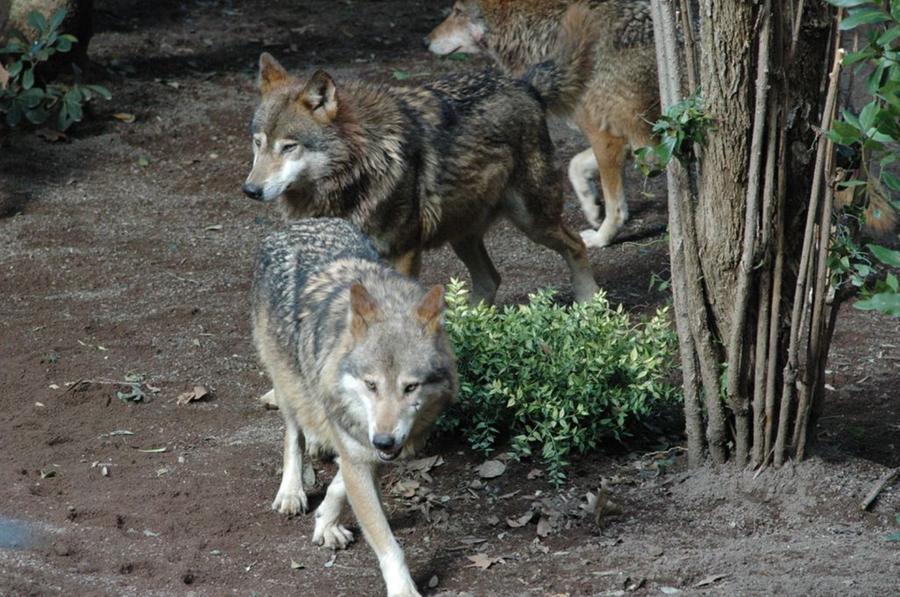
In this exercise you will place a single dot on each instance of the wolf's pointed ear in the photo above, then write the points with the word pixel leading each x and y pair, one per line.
pixel 320 97
pixel 431 309
pixel 363 310
pixel 271 74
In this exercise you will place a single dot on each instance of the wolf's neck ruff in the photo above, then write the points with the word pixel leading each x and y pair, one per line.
pixel 368 167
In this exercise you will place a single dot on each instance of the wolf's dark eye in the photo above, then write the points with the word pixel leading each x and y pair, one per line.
pixel 257 142
pixel 410 388
pixel 370 385
pixel 288 147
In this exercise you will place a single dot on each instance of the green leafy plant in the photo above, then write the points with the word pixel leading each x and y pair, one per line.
pixel 874 134
pixel 679 129
pixel 553 379
pixel 24 97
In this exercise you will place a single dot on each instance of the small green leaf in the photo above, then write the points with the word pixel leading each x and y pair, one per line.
pixel 462 56
pixel 848 3
pixel 15 68
pixel 401 75
pixel 892 283
pixel 101 91
pixel 57 19
pixel 37 115
pixel 883 302
pixel 886 38
pixel 891 180
pixel 889 257
pixel 867 116
pixel 32 97
pixel 895 536
pixel 844 133
pixel 37 20
pixel 864 16
pixel 28 79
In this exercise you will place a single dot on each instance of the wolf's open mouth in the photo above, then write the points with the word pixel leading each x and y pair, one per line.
pixel 389 456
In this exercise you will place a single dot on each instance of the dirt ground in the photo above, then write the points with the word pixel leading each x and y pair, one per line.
pixel 128 254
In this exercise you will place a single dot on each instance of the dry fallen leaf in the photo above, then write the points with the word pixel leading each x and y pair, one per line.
pixel 521 520
pixel 482 561
pixel 407 488
pixel 633 584
pixel 4 77
pixel 535 473
pixel 214 228
pixel 126 117
pixel 198 393
pixel 492 520
pixel 709 580
pixel 296 565
pixel 50 135
pixel 544 527
pixel 490 469
pixel 423 465
pixel 433 582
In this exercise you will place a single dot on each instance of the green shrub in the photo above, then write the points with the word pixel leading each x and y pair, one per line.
pixel 23 96
pixel 873 134
pixel 553 379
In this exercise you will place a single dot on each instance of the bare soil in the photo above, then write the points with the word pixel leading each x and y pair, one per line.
pixel 126 251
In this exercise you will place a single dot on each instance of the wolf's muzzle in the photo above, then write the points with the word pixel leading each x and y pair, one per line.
pixel 253 191
pixel 386 445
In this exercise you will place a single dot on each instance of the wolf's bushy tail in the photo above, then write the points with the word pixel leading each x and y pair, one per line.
pixel 561 80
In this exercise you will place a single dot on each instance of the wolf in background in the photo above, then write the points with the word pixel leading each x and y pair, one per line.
pixel 621 96
pixel 361 367
pixel 419 167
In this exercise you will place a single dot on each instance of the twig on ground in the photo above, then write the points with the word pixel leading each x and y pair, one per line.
pixel 885 480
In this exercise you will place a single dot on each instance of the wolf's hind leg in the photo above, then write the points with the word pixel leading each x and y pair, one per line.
pixel 485 278
pixel 570 246
pixel 583 170
pixel 610 152
pixel 329 532
pixel 291 499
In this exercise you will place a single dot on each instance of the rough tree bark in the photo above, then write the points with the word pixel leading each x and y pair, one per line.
pixel 736 221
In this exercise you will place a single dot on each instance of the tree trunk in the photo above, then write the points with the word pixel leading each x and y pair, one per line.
pixel 733 213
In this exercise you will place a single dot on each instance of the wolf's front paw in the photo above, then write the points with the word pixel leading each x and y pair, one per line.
pixel 290 502
pixel 409 590
pixel 400 583
pixel 332 535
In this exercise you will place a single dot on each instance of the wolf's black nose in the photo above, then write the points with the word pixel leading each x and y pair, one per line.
pixel 253 191
pixel 383 441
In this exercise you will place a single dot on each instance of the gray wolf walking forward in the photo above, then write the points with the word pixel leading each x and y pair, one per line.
pixel 621 93
pixel 419 167
pixel 361 367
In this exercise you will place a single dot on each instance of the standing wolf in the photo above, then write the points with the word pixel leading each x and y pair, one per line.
pixel 621 96
pixel 361 367
pixel 416 168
